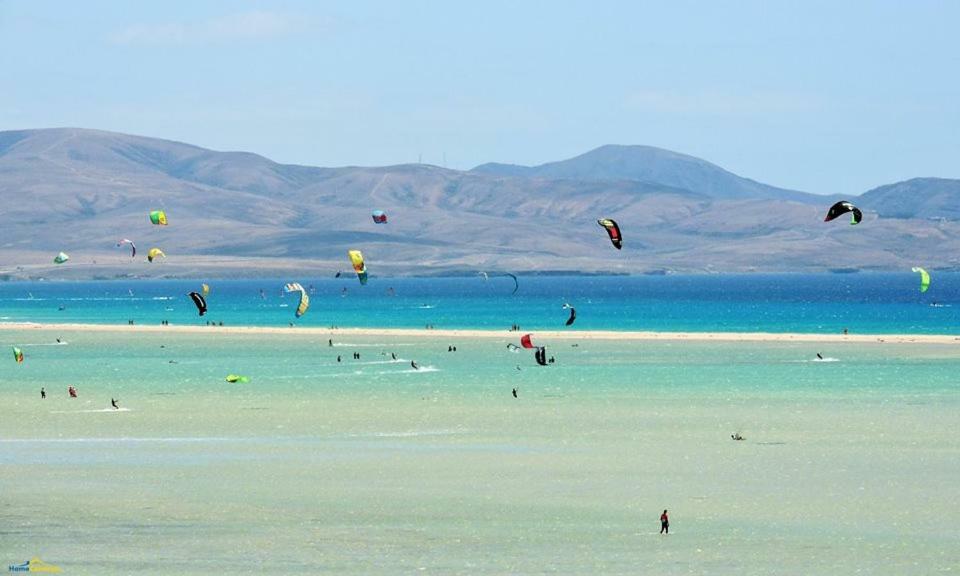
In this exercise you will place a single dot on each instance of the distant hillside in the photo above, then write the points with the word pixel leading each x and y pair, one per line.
pixel 649 164
pixel 917 198
pixel 239 214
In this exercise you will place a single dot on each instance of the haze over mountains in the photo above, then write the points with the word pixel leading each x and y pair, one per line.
pixel 240 214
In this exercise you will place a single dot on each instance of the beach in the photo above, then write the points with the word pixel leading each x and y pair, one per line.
pixel 499 334
pixel 370 466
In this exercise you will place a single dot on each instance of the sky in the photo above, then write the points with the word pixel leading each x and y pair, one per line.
pixel 825 97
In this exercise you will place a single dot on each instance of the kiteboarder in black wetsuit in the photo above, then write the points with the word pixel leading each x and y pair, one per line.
pixel 514 392
pixel 819 357
pixel 414 365
pixel 113 403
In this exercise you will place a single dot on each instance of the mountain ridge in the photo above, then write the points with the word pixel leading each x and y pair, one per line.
pixel 80 190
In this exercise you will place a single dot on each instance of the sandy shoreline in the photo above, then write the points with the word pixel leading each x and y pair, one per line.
pixel 505 334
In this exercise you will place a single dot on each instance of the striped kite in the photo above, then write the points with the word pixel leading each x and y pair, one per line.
pixel 356 257
pixel 304 299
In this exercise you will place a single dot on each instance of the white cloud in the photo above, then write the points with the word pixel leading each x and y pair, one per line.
pixel 252 25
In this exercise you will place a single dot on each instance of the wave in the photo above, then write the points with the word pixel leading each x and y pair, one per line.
pixel 406 434
pixel 421 370
pixel 374 345
pixel 99 411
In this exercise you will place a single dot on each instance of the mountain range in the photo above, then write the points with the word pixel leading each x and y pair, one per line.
pixel 237 214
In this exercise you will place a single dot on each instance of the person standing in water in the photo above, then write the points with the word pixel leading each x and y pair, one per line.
pixel 43 393
pixel 664 523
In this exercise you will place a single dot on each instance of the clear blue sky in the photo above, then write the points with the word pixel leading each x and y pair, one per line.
pixel 829 97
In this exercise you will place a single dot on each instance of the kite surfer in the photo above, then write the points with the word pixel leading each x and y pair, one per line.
pixel 514 392
pixel 736 436
pixel 338 359
pixel 113 403
pixel 414 365
pixel 819 357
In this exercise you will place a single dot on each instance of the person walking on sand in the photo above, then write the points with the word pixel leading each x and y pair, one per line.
pixel 664 523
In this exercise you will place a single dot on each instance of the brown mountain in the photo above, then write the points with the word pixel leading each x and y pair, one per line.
pixel 239 214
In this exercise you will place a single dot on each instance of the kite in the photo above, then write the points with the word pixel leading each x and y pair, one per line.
pixel 924 278
pixel 158 217
pixel 357 259
pixel 154 253
pixel 133 247
pixel 60 258
pixel 613 230
pixel 526 342
pixel 379 217
pixel 233 378
pixel 18 355
pixel 304 299
pixel 516 282
pixel 541 355
pixel 842 207
pixel 573 314
pixel 200 302
pixel 205 289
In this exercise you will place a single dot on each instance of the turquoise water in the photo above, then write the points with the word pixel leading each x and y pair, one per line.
pixel 863 303
pixel 367 466
pixel 371 467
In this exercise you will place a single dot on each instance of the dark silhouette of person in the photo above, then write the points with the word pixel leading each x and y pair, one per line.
pixel 43 393
pixel 114 404
pixel 664 523
pixel 414 365
pixel 819 357
pixel 338 358
pixel 514 392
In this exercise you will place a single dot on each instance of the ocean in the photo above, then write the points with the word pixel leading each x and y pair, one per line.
pixel 866 303
pixel 369 466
